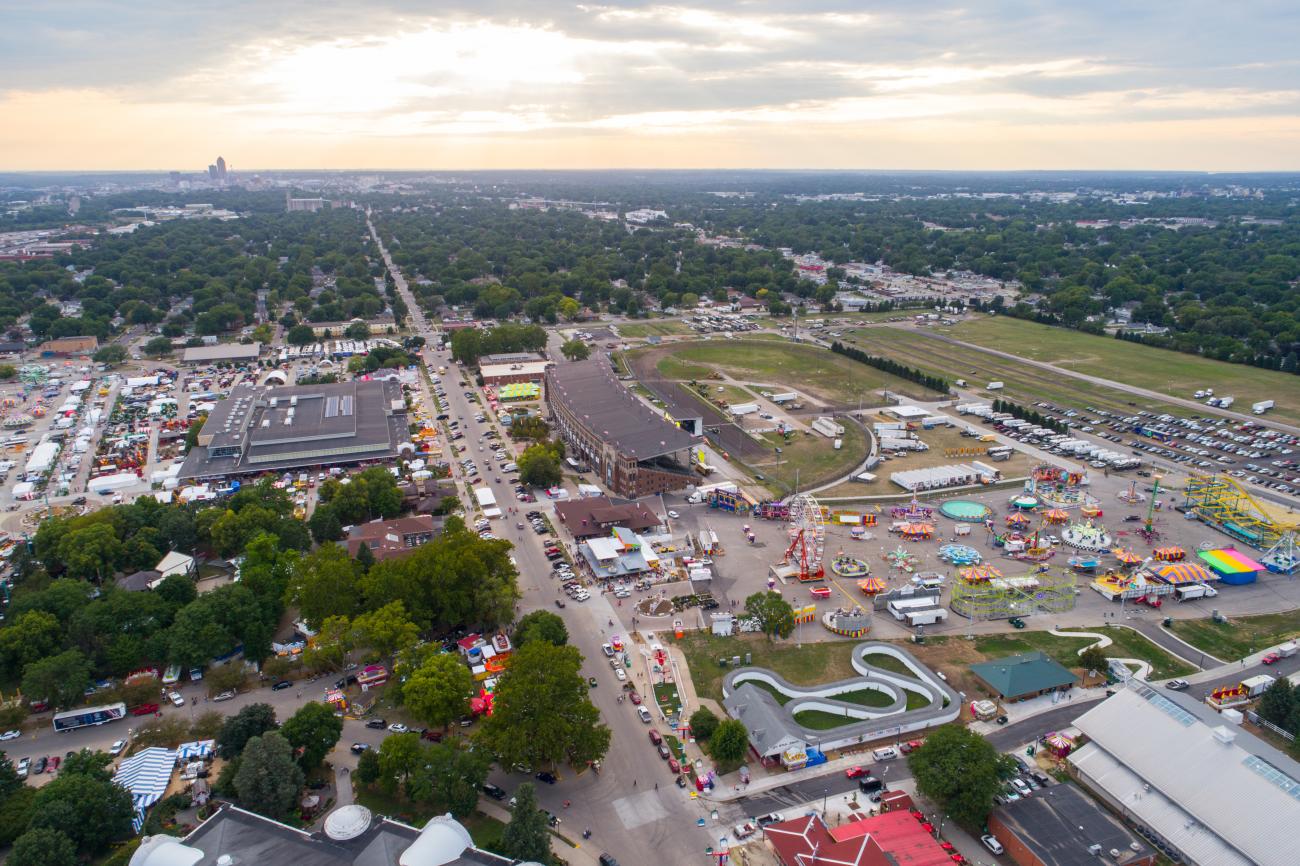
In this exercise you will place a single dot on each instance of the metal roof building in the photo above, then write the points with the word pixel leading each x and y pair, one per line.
pixel 222 352
pixel 1024 675
pixel 1213 792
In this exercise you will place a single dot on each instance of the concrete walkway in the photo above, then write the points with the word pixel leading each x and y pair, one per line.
pixel 580 852
pixel 1102 641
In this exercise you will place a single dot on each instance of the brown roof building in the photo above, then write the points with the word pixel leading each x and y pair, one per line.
pixel 595 515
pixel 63 346
pixel 389 539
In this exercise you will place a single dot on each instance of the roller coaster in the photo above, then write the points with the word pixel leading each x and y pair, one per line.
pixel 1224 504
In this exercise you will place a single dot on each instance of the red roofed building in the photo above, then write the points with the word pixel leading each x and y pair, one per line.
pixel 807 842
pixel 900 836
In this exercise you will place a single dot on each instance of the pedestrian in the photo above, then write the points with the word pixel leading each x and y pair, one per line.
pixel 634 783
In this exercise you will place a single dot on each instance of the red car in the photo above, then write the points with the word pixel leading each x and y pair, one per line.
pixel 634 698
pixel 855 772
pixel 673 766
pixel 144 710
pixel 654 736
pixel 1270 658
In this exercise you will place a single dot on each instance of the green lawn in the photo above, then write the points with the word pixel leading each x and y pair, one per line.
pixel 1127 644
pixel 887 663
pixel 812 456
pixel 1130 644
pixel 1240 636
pixel 1168 372
pixel 866 698
pixel 810 369
pixel 668 327
pixel 485 831
pixel 818 720
pixel 416 814
pixel 813 663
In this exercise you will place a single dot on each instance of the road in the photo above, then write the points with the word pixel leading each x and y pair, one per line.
pixel 621 805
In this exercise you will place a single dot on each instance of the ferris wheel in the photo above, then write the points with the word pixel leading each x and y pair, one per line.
pixel 807 537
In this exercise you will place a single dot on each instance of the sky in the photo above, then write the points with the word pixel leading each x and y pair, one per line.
pixel 469 84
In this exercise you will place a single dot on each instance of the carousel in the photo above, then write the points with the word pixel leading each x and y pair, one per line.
pixel 872 585
pixel 1056 516
pixel 851 622
pixel 902 559
pixel 1086 535
pixel 916 531
pixel 913 512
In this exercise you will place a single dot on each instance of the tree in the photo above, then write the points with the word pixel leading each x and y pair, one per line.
pixel 450 776
pixel 111 355
pixel 87 763
pixel 1278 702
pixel 729 741
pixel 225 677
pixel 1093 659
pixel 313 731
pixel 774 614
pixel 526 838
pixel 251 721
pixel 961 772
pixel 703 723
pixel 158 347
pixel 9 781
pixel 399 756
pixel 357 331
pixel 43 847
pixel 541 713
pixel 16 812
pixel 438 692
pixel 539 466
pixel 387 629
pixel 300 335
pixel 268 780
pixel 92 811
pixel 575 350
pixel 367 772
pixel 30 637
pixel 323 584
pixel 60 679
pixel 541 625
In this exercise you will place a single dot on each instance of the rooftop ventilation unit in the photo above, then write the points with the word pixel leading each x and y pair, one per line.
pixel 1224 735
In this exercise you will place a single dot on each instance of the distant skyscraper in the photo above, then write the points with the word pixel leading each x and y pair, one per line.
pixel 221 168
pixel 212 172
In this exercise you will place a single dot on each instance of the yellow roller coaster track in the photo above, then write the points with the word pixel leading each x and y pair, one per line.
pixel 1220 501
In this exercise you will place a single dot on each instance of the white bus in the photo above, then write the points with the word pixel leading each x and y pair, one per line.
pixel 87 716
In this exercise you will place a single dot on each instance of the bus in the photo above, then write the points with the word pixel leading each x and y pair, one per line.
pixel 87 716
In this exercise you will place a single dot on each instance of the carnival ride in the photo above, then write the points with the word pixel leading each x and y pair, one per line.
pixel 807 537
pixel 1283 557
pixel 902 559
pixel 1025 502
pixel 983 593
pixel 33 374
pixel 1056 487
pixel 1087 536
pixel 960 554
pixel 1131 495
pixel 1056 516
pixel 964 510
pixel 1169 554
pixel 847 566
pixel 913 512
pixel 1221 502
pixel 872 585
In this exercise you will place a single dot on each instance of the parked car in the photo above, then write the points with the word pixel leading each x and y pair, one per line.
pixel 644 715
pixel 1271 658
pixel 991 842
pixel 1177 685
pixel 398 728
pixel 358 748
pixel 225 696
pixel 855 772
pixel 176 699
pixel 24 767
pixel 655 738
pixel 376 724
pixel 493 791
pixel 770 818
pixel 664 754
pixel 281 686
pixel 39 766
pixel 544 776
pixel 10 735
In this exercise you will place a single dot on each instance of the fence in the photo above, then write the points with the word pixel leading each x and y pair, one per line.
pixel 1254 719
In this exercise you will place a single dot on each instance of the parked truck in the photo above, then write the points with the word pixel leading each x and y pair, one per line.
pixel 1261 407
pixel 1196 590
pixel 1257 685
pixel 1287 649
pixel 995 386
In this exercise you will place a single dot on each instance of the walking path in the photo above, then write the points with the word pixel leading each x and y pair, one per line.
pixel 1102 641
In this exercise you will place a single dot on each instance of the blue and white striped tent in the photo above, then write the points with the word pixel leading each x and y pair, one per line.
pixel 146 775
pixel 194 751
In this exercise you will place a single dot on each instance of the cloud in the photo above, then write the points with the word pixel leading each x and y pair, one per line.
pixel 688 75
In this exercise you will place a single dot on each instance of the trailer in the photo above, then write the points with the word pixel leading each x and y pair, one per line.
pixel 1261 407
pixel 787 397
pixel 994 386
pixel 1257 685
pixel 1195 590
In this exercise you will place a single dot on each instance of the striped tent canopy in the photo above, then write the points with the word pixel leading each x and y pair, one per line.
pixel 871 585
pixel 1176 574
pixel 1170 554
pixel 146 775
pixel 1018 519
pixel 1126 556
pixel 195 750
pixel 1056 515
pixel 913 529
pixel 978 573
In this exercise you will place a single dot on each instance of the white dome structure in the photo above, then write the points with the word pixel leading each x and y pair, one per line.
pixel 441 841
pixel 347 822
pixel 165 851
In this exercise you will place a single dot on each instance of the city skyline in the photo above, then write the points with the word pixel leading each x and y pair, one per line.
pixel 111 86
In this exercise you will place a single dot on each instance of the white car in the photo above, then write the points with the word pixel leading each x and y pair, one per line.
pixel 11 735
pixel 224 696
pixel 176 699
pixel 673 514
pixel 644 714
pixel 620 675
pixel 398 728
pixel 116 748
pixel 991 842
pixel 607 650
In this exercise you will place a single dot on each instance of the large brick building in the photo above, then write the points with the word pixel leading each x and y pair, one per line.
pixel 632 448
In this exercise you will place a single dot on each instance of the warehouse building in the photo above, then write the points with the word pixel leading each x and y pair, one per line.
pixel 634 450
pixel 271 429
pixel 1062 826
pixel 512 369
pixel 1024 676
pixel 1191 780
pixel 235 353
pixel 62 347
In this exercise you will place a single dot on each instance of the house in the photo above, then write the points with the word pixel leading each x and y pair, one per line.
pixel 1060 825
pixel 427 495
pixel 175 563
pixel 140 581
pixel 388 539
pixel 593 516
pixel 807 841
pixel 1024 676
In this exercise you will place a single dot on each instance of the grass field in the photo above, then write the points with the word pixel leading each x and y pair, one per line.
pixel 809 369
pixel 1174 373
pixel 811 664
pixel 812 458
pixel 1240 636
pixel 1025 385
pixel 731 394
pixel 666 328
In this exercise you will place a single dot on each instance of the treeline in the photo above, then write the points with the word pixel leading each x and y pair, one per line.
pixel 1288 363
pixel 902 371
pixel 1033 416
pixel 470 344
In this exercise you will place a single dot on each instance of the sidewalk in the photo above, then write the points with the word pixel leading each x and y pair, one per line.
pixel 726 792
pixel 581 853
